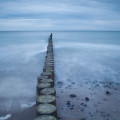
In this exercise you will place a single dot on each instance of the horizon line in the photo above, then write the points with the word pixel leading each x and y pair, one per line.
pixel 59 30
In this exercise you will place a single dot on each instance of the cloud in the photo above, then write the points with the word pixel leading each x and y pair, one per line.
pixel 25 24
pixel 48 24
pixel 51 14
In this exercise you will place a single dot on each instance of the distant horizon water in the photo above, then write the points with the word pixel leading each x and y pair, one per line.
pixel 59 30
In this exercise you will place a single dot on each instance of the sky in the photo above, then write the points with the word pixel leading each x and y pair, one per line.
pixel 59 15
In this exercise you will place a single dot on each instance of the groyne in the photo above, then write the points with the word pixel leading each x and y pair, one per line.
pixel 45 91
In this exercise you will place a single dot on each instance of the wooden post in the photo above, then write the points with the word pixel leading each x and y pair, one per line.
pixel 46 97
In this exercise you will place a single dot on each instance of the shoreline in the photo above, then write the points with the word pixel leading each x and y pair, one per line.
pixel 99 106
pixel 27 114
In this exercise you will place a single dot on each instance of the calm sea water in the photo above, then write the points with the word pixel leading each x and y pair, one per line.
pixel 79 57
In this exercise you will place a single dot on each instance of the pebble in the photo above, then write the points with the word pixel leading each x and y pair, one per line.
pixel 83 119
pixel 83 104
pixel 68 104
pixel 72 95
pixel 86 98
pixel 73 82
pixel 108 92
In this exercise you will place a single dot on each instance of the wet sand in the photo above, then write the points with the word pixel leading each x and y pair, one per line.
pixel 96 101
pixel 27 114
pixel 17 109
pixel 100 101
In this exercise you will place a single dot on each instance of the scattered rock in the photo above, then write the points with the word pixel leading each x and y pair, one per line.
pixel 83 104
pixel 68 104
pixel 72 95
pixel 83 119
pixel 73 82
pixel 59 118
pixel 71 108
pixel 108 92
pixel 87 98
pixel 60 84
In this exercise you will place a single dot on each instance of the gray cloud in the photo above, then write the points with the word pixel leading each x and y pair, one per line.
pixel 79 14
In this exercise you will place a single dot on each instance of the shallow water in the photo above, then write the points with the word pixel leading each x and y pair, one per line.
pixel 87 56
pixel 80 57
pixel 21 61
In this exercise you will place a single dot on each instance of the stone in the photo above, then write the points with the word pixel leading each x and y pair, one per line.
pixel 86 98
pixel 72 95
pixel 108 92
pixel 68 104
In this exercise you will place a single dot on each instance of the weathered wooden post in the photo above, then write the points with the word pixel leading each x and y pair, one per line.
pixel 46 93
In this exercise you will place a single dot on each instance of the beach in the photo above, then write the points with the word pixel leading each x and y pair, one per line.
pixel 90 103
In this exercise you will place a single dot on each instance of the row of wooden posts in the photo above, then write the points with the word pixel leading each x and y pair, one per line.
pixel 46 93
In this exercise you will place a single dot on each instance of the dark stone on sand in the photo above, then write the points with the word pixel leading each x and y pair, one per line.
pixel 86 98
pixel 71 108
pixel 73 82
pixel 108 92
pixel 82 109
pixel 59 83
pixel 72 95
pixel 83 104
pixel 58 118
pixel 68 104
pixel 83 119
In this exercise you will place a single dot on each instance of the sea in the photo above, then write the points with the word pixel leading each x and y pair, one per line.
pixel 80 56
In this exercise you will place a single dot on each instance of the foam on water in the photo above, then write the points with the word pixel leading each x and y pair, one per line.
pixel 83 60
pixel 21 61
pixel 5 117
pixel 27 105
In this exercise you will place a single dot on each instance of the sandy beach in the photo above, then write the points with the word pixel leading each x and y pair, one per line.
pixel 99 101
pixel 28 114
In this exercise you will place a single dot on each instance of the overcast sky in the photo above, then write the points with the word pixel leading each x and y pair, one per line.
pixel 59 15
